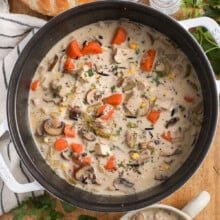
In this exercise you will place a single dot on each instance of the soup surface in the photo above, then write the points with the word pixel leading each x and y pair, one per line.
pixel 115 107
pixel 156 214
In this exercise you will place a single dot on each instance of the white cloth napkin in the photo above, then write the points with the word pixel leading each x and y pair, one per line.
pixel 15 31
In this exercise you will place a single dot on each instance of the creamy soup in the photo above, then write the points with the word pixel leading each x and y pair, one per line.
pixel 156 214
pixel 115 107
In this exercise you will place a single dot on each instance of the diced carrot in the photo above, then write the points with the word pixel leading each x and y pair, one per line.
pixel 77 148
pixel 105 112
pixel 148 60
pixel 61 144
pixel 69 65
pixel 86 160
pixel 114 99
pixel 120 36
pixel 111 164
pixel 93 47
pixel 69 131
pixel 73 50
pixel 167 136
pixel 189 99
pixel 84 1
pixel 35 84
pixel 153 116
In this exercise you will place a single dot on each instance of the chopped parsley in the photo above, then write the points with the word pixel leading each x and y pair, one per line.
pixel 137 51
pixel 156 80
pixel 113 88
pixel 160 74
pixel 90 72
pixel 121 165
pixel 131 125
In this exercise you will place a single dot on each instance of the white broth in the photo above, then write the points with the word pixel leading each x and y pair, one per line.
pixel 156 214
pixel 115 107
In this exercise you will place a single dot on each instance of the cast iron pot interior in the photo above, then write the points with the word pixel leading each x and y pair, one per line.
pixel 37 48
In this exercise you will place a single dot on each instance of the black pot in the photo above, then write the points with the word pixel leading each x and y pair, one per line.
pixel 37 48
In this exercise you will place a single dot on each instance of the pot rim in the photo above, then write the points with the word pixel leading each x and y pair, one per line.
pixel 16 137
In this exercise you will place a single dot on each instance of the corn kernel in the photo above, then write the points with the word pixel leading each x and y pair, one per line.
pixel 131 71
pixel 171 76
pixel 165 167
pixel 152 99
pixel 143 104
pixel 135 156
pixel 46 139
pixel 61 109
pixel 64 166
pixel 133 46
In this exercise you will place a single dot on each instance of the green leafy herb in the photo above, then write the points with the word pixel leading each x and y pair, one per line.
pixel 67 207
pixel 113 88
pixel 42 207
pixel 156 80
pixel 160 74
pixel 86 217
pixel 137 51
pixel 118 132
pixel 90 72
pixel 211 8
pixel 131 125
pixel 121 165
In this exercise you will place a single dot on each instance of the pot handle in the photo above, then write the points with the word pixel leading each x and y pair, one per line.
pixel 211 25
pixel 194 207
pixel 12 183
pixel 7 176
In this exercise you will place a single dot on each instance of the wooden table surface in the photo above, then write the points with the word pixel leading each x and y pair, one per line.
pixel 206 178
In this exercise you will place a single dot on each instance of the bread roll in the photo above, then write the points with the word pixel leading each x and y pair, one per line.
pixel 53 7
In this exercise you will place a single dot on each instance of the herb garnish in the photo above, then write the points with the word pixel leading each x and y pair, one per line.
pixel 42 207
pixel 137 51
pixel 90 72
pixel 197 8
pixel 156 80
pixel 121 165
pixel 113 88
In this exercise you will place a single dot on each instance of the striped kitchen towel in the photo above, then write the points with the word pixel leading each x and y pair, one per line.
pixel 15 31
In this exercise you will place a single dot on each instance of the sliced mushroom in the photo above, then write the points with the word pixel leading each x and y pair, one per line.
pixel 53 63
pixel 171 122
pixel 138 216
pixel 85 173
pixel 129 84
pixel 74 113
pixel 160 177
pixel 40 131
pixel 87 135
pixel 123 185
pixel 53 127
pixel 166 152
pixel 140 85
pixel 57 100
pixel 131 138
pixel 99 70
pixel 92 96
pixel 66 155
pixel 144 156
